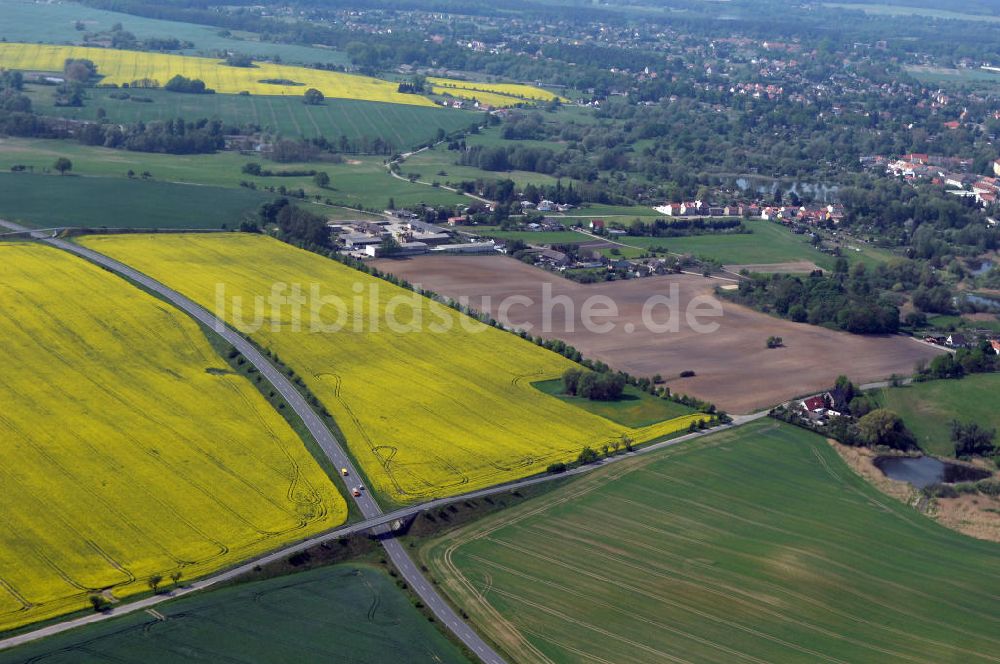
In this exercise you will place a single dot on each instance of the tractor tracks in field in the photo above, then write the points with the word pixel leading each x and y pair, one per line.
pixel 330 445
pixel 374 521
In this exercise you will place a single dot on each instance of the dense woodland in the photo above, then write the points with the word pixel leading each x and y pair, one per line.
pixel 849 299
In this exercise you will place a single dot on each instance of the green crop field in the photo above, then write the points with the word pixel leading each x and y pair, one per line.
pixel 45 201
pixel 361 182
pixel 768 243
pixel 348 612
pixel 54 22
pixel 928 408
pixel 952 323
pixel 635 409
pixel 757 544
pixel 399 125
pixel 368 184
pixel 966 78
pixel 431 163
pixel 491 137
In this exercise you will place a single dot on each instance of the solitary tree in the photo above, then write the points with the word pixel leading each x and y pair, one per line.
pixel 176 578
pixel 63 165
pixel 313 97
pixel 322 179
pixel 99 602
pixel 154 582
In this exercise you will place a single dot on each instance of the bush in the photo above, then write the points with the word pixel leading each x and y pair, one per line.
pixel 972 439
pixel 556 468
pixel 942 491
pixel 587 455
pixel 884 427
pixel 990 487
pixel 99 602
pixel 687 373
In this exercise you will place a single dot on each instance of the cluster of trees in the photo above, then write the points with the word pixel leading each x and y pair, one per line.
pixel 971 439
pixel 313 97
pixel 295 224
pixel 76 74
pixel 79 70
pixel 12 97
pixel 505 192
pixel 415 86
pixel 596 386
pixel 512 158
pixel 194 86
pixel 931 224
pixel 255 169
pixel 125 40
pixel 167 136
pixel 884 427
pixel 239 60
pixel 849 301
pixel 980 359
pixel 361 145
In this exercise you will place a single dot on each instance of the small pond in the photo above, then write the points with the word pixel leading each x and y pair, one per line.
pixel 924 471
pixel 982 302
pixel 766 186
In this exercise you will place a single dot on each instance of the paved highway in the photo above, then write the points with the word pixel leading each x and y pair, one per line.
pixel 366 525
pixel 374 519
pixel 330 445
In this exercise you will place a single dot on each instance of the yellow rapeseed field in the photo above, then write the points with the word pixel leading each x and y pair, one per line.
pixel 124 67
pixel 426 413
pixel 495 94
pixel 125 450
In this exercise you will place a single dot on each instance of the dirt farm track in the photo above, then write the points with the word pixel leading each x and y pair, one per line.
pixel 734 368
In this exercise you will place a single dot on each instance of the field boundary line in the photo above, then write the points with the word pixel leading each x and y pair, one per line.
pixel 375 519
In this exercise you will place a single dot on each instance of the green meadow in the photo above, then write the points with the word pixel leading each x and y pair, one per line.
pixel 343 613
pixel 757 544
pixel 929 408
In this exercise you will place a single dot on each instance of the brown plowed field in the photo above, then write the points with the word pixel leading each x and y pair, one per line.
pixel 734 368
